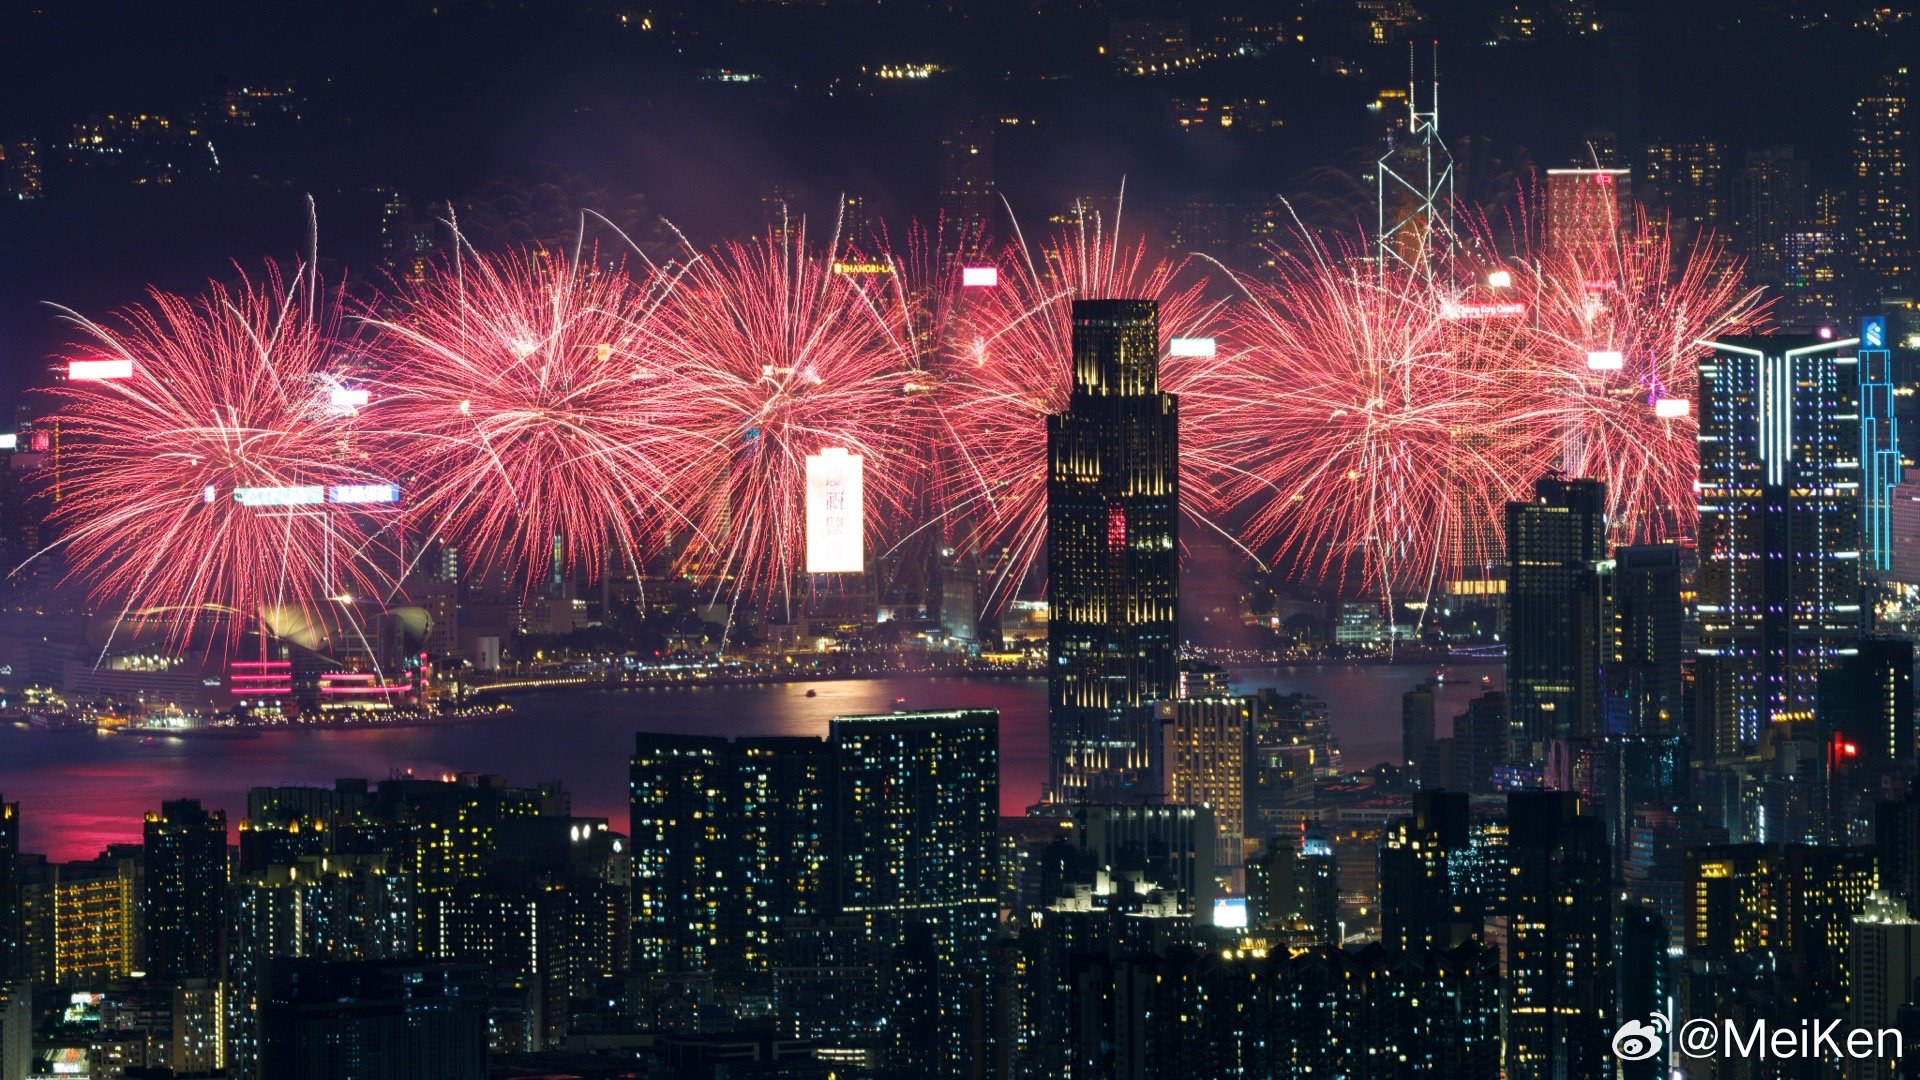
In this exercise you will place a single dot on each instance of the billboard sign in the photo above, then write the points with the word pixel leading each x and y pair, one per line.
pixel 835 512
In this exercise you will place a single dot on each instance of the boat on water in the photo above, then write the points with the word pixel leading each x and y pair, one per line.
pixel 811 692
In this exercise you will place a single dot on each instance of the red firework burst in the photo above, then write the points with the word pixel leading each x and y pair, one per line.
pixel 199 469
pixel 776 357
pixel 1363 424
pixel 519 391
pixel 1010 367
pixel 1615 358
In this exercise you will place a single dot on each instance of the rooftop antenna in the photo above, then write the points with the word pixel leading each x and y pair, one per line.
pixel 1414 186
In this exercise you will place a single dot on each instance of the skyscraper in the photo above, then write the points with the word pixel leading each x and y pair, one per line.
pixel 1645 621
pixel 1416 732
pixel 13 917
pixel 1560 939
pixel 1555 624
pixel 1769 201
pixel 1585 209
pixel 967 199
pixel 185 899
pixel 917 809
pixel 1779 532
pixel 1113 504
pixel 1880 463
pixel 1883 962
pixel 1884 182
pixel 678 794
pixel 1206 743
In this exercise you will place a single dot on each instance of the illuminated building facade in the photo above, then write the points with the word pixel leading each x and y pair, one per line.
pixel 96 920
pixel 1779 532
pixel 1789 907
pixel 1555 613
pixel 1689 177
pixel 1884 178
pixel 677 791
pixel 968 202
pixel 1113 505
pixel 184 903
pixel 1205 746
pixel 1585 209
pixel 1880 467
pixel 1420 901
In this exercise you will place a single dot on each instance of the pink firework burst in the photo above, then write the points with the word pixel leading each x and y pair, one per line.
pixel 1362 425
pixel 776 357
pixel 199 467
pixel 1614 356
pixel 533 420
pixel 1010 367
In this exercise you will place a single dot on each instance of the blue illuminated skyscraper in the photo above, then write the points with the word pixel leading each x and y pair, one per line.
pixel 1779 532
pixel 1880 470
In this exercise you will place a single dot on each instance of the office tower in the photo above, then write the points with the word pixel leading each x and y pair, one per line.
pixel 1170 846
pixel 1865 703
pixel 1884 962
pixel 95 919
pixel 916 810
pixel 1645 619
pixel 1559 939
pixel 1903 526
pixel 1884 183
pixel 1420 906
pixel 968 202
pixel 1779 533
pixel 1555 616
pixel 1113 504
pixel 1880 466
pixel 1689 177
pixel 13 916
pixel 1769 201
pixel 1585 210
pixel 1206 745
pixel 184 904
pixel 1413 193
pixel 374 1020
pixel 1416 732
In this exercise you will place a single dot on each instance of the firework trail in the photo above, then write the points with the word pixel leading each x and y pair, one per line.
pixel 1011 366
pixel 1614 357
pixel 197 482
pixel 775 356
pixel 536 426
pixel 1363 426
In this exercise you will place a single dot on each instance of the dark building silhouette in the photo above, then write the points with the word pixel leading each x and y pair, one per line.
pixel 1865 703
pixel 1113 504
pixel 1560 1014
pixel 1645 619
pixel 1420 894
pixel 1416 732
pixel 184 901
pixel 14 965
pixel 374 1020
pixel 1555 617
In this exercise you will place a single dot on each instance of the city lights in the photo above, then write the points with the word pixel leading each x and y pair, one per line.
pixel 98 370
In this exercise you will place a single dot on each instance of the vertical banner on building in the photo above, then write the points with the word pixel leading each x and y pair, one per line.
pixel 835 513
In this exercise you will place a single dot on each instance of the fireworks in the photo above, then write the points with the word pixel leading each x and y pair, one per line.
pixel 205 483
pixel 521 393
pixel 1361 425
pixel 1614 357
pixel 1010 367
pixel 774 356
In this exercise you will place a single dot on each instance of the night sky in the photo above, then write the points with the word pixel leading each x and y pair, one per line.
pixel 442 101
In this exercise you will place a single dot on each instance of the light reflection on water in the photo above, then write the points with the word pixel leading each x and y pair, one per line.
pixel 79 791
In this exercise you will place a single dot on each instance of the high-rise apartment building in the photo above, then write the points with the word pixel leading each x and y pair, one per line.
pixel 184 902
pixel 1113 505
pixel 1645 620
pixel 1586 208
pixel 1206 743
pixel 1779 532
pixel 1559 939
